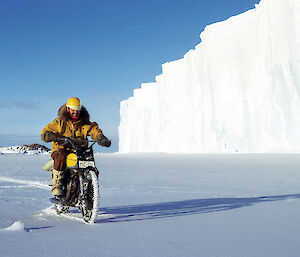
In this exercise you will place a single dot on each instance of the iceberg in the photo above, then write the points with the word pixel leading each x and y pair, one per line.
pixel 238 90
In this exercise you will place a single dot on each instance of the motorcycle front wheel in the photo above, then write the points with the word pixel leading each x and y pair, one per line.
pixel 90 203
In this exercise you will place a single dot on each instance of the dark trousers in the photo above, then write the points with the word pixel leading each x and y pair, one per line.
pixel 59 156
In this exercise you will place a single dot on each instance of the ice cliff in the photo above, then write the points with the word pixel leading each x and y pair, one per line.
pixel 238 90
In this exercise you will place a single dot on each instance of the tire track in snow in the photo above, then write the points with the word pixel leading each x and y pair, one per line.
pixel 24 182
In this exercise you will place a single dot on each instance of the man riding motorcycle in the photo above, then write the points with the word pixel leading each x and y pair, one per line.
pixel 73 121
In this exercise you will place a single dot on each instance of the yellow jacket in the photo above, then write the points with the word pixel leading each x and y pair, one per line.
pixel 64 126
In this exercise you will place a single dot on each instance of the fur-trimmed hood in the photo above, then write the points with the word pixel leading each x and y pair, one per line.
pixel 84 117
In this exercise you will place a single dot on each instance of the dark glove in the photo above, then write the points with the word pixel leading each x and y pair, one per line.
pixel 104 142
pixel 49 136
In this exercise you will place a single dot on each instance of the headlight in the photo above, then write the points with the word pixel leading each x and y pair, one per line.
pixel 71 160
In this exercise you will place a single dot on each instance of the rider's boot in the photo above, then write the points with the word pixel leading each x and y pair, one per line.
pixel 57 189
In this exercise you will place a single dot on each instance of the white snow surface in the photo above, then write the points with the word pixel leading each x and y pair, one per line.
pixel 168 205
pixel 238 90
pixel 17 226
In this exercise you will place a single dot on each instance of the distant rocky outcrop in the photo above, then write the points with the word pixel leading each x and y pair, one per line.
pixel 33 147
pixel 26 149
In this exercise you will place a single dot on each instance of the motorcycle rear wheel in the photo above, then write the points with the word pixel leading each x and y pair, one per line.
pixel 61 208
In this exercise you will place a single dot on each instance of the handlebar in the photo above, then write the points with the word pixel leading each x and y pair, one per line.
pixel 78 140
pixel 71 140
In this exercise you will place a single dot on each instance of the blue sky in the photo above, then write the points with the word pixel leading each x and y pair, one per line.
pixel 97 50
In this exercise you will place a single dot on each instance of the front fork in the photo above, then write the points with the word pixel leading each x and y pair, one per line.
pixel 83 184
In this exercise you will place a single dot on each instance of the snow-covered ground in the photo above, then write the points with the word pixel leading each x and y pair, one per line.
pixel 230 205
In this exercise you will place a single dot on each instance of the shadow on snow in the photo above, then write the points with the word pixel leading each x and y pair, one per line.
pixel 182 208
pixel 37 228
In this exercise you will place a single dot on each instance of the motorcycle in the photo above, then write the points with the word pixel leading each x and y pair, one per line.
pixel 80 183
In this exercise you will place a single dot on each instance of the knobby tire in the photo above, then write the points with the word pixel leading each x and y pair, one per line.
pixel 90 218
